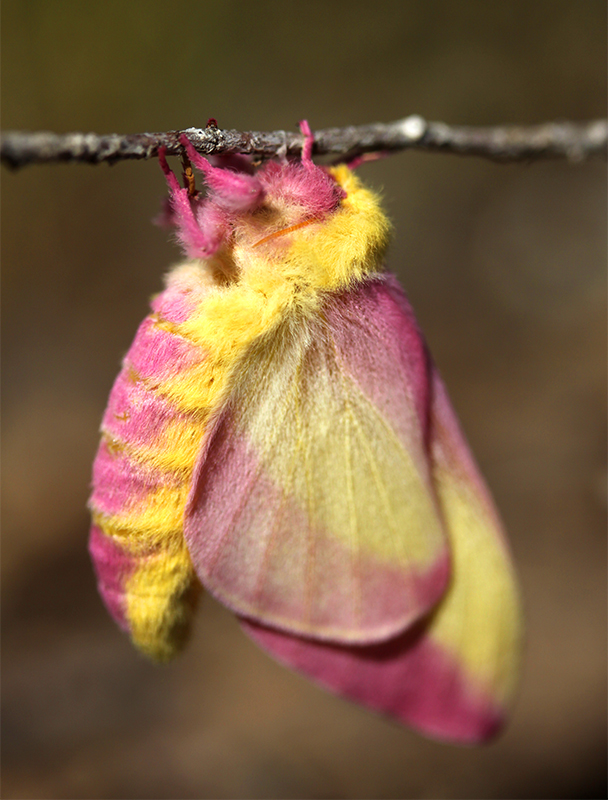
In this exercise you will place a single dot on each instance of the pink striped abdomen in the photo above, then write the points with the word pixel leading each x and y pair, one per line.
pixel 141 480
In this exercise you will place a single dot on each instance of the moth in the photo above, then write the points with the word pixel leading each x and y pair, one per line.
pixel 280 436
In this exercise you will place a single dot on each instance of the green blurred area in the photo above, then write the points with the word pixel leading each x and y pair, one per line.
pixel 505 266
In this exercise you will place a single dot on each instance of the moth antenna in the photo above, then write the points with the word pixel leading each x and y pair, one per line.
pixel 169 176
pixel 194 240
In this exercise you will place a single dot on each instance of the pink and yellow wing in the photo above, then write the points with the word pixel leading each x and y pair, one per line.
pixel 313 508
pixel 452 675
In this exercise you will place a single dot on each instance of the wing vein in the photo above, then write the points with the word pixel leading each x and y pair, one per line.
pixel 354 528
pixel 311 553
pixel 398 544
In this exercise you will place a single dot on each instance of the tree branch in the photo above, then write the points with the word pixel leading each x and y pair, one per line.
pixel 570 140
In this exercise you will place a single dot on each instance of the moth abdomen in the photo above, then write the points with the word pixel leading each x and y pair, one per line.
pixel 141 480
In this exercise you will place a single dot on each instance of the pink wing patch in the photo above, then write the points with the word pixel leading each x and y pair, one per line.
pixel 408 677
pixel 313 508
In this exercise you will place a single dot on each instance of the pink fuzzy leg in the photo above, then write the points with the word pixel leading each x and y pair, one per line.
pixel 309 140
pixel 234 191
pixel 198 241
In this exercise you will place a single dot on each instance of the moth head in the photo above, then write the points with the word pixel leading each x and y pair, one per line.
pixel 245 206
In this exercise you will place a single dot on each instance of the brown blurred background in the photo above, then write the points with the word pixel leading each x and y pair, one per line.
pixel 506 268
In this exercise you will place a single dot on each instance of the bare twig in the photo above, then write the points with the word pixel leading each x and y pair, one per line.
pixel 574 141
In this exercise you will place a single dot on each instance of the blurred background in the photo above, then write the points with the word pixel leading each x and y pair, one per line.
pixel 505 266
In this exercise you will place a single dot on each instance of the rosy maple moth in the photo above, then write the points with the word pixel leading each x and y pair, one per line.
pixel 280 435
